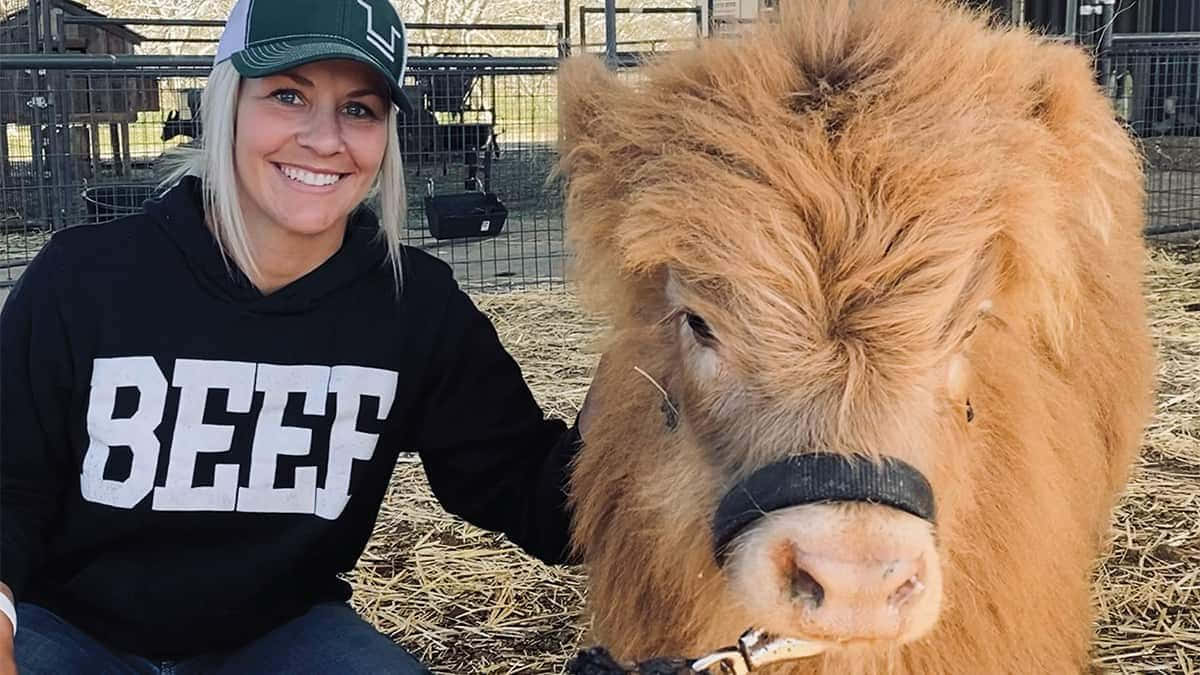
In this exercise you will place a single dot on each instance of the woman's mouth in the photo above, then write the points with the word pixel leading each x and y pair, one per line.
pixel 309 178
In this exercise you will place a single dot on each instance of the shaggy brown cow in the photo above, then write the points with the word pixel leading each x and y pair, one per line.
pixel 885 228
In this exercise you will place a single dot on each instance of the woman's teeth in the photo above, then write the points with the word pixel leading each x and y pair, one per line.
pixel 310 178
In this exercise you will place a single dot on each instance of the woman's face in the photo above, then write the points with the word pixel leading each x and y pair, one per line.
pixel 310 142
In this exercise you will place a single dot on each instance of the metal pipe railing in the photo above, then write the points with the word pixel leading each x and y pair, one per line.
pixel 642 10
pixel 1118 38
pixel 220 23
pixel 610 26
pixel 133 61
pixel 123 21
pixel 610 29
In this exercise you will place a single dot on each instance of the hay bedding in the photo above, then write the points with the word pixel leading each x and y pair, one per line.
pixel 463 600
pixel 1149 587
pixel 466 601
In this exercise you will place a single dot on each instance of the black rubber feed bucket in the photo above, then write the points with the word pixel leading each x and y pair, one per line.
pixel 464 215
pixel 109 202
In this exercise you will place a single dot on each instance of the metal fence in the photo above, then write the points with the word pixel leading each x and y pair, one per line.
pixel 639 48
pixel 1154 81
pixel 1078 19
pixel 82 136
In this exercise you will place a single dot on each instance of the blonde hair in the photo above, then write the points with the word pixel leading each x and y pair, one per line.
pixel 213 164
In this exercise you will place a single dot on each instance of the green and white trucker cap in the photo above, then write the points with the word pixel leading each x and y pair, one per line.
pixel 264 37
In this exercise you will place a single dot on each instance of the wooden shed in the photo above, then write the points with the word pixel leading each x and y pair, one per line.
pixel 94 97
pixel 66 108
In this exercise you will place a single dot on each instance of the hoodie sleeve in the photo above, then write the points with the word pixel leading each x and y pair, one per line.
pixel 35 366
pixel 490 454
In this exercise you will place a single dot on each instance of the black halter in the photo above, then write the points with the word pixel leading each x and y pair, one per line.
pixel 819 477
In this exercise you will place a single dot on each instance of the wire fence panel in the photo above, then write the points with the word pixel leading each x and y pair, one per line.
pixel 481 131
pixel 1155 85
pixel 1081 20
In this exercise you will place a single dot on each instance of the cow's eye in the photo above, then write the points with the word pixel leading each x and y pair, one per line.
pixel 699 328
pixel 970 411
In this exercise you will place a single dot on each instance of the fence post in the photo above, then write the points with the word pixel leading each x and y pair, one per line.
pixel 35 102
pixel 567 20
pixel 1106 34
pixel 583 29
pixel 1071 19
pixel 610 32
pixel 563 40
pixel 46 85
pixel 64 165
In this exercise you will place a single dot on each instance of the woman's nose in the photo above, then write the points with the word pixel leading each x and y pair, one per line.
pixel 321 132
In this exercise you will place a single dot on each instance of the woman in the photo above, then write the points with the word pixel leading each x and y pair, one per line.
pixel 202 404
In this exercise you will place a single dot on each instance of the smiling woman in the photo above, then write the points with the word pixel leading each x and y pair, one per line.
pixel 312 141
pixel 203 402
pixel 319 119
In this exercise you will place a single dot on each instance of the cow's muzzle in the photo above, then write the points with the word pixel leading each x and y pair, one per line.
pixel 819 477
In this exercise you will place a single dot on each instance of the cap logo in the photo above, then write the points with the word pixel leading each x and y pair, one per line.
pixel 388 46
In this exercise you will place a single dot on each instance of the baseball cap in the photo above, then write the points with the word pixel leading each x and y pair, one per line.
pixel 264 37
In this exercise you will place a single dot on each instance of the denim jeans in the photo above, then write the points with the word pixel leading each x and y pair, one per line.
pixel 330 638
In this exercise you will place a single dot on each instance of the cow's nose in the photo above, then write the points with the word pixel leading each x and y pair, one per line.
pixel 853 596
pixel 855 573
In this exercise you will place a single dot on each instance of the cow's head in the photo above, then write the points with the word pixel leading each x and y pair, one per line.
pixel 814 237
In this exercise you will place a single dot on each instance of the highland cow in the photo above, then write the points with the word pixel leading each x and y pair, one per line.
pixel 892 230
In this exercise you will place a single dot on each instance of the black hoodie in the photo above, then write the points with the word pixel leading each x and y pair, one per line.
pixel 186 463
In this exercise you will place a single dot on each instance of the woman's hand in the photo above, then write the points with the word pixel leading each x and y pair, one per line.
pixel 8 660
pixel 587 411
pixel 585 415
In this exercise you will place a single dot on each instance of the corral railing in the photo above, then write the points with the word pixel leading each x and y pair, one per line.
pixel 82 136
pixel 642 47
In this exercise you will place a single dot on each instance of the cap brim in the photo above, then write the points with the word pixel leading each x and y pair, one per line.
pixel 270 58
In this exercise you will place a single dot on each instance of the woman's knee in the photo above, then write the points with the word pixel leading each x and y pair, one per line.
pixel 45 643
pixel 330 637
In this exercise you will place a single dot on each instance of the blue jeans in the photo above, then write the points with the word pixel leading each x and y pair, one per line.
pixel 330 638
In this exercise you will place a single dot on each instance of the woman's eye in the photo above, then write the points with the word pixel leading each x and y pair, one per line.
pixel 360 111
pixel 700 327
pixel 287 96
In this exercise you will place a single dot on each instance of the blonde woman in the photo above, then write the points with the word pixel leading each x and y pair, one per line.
pixel 203 403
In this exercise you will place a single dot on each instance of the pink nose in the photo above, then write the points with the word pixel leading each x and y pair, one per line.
pixel 852 598
pixel 852 574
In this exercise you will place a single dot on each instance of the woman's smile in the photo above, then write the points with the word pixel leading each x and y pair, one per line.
pixel 309 179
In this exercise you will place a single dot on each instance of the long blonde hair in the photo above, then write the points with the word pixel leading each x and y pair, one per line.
pixel 213 163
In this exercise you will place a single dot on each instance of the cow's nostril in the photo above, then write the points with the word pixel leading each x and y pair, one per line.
pixel 907 590
pixel 806 589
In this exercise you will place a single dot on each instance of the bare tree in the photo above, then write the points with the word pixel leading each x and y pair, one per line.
pixel 629 27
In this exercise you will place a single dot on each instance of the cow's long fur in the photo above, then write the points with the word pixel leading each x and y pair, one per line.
pixel 838 197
